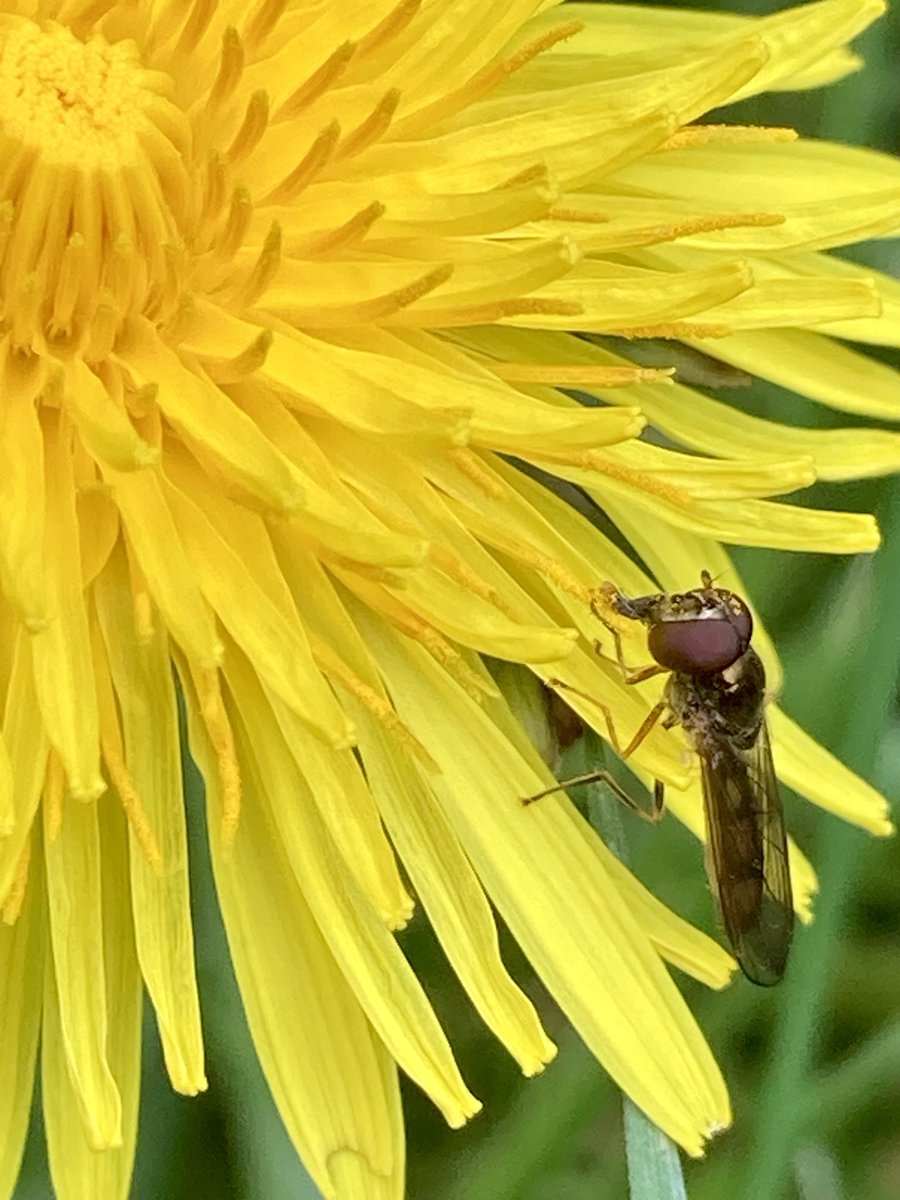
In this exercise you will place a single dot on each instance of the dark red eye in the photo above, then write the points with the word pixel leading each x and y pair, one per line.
pixel 701 644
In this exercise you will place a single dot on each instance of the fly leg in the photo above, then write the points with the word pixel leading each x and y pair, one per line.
pixel 659 788
pixel 655 814
pixel 659 800
pixel 630 674
pixel 600 776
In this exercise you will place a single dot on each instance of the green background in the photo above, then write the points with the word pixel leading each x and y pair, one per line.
pixel 813 1066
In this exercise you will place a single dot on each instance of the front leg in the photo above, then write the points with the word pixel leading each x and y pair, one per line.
pixel 643 729
pixel 630 674
pixel 653 815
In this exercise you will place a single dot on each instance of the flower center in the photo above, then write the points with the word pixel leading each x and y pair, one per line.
pixel 93 188
pixel 70 101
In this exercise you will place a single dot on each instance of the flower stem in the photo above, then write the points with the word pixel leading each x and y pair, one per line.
pixel 654 1168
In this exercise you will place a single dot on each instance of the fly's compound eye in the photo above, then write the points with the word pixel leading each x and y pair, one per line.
pixel 701 644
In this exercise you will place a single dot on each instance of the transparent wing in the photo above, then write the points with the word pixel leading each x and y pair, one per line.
pixel 748 865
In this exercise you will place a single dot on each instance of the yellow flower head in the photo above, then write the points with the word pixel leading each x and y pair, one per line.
pixel 286 301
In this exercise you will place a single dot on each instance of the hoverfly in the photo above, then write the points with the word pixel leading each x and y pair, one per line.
pixel 716 692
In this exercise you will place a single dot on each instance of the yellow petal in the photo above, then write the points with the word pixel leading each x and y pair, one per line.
pixel 881 330
pixel 334 1082
pixel 783 293
pixel 611 30
pixel 761 523
pixel 827 195
pixel 800 37
pixel 159 549
pixel 623 297
pixel 609 983
pixel 105 429
pixel 815 288
pixel 334 294
pixel 689 203
pixel 481 157
pixel 804 882
pixel 203 413
pixel 382 980
pixel 78 1169
pixel 26 741
pixel 76 990
pixel 98 524
pixel 22 487
pixel 819 367
pixel 685 477
pixel 453 898
pixel 499 416
pixel 341 387
pixel 342 795
pixel 496 129
pixel 22 951
pixel 222 540
pixel 142 677
pixel 314 589
pixel 498 617
pixel 711 427
pixel 815 366
pixel 7 785
pixel 786 301
pixel 462 594
pixel 334 516
pixel 749 522
pixel 675 940
pixel 810 770
pixel 63 668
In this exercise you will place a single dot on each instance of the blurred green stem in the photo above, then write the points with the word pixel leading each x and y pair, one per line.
pixel 654 1168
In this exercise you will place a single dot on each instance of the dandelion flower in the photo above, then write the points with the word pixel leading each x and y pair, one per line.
pixel 286 301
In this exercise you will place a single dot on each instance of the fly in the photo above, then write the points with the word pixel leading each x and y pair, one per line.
pixel 716 692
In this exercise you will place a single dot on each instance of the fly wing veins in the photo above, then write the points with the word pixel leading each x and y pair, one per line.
pixel 748 856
